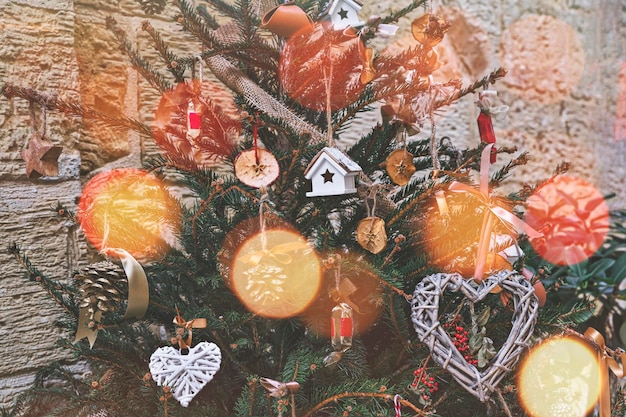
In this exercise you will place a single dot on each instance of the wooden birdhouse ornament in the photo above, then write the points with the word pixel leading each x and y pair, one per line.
pixel 342 13
pixel 331 172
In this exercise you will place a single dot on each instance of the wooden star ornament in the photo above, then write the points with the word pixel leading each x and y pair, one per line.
pixel 41 157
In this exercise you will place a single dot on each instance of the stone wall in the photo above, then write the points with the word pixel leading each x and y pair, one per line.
pixel 566 90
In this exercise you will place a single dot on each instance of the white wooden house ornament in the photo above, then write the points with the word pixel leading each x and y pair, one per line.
pixel 331 173
pixel 342 13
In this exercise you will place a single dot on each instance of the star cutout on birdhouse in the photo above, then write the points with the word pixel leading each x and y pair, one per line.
pixel 41 157
pixel 328 176
pixel 343 14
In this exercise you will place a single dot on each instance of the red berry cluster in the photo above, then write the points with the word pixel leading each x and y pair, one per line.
pixel 460 339
pixel 424 384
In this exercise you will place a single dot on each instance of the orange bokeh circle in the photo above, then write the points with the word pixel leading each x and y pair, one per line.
pixel 129 209
pixel 573 217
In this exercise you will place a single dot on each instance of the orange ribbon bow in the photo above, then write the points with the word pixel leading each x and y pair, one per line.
pixel 187 325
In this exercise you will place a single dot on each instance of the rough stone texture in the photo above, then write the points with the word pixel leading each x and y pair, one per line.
pixel 577 114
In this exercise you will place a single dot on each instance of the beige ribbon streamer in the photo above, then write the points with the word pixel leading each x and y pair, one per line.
pixel 83 330
pixel 606 361
pixel 494 212
pixel 138 291
pixel 280 389
pixel 138 297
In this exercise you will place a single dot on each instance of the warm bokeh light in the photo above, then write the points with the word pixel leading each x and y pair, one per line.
pixel 451 240
pixel 572 215
pixel 544 58
pixel 129 209
pixel 275 273
pixel 323 61
pixel 560 378
pixel 220 124
pixel 358 286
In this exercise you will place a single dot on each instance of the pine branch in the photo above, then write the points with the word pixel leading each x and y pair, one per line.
pixel 152 76
pixel 397 15
pixel 491 78
pixel 170 59
pixel 52 102
pixel 55 289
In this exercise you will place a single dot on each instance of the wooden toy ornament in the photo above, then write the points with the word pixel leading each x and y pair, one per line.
pixel 331 172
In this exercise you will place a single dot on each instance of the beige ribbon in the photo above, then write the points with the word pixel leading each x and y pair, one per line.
pixel 606 361
pixel 494 212
pixel 138 297
pixel 280 389
pixel 187 325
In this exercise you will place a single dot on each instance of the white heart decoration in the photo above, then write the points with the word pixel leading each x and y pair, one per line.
pixel 187 374
pixel 425 313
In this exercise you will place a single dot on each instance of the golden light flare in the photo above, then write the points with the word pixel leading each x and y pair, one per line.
pixel 573 217
pixel 275 273
pixel 560 377
pixel 358 286
pixel 451 240
pixel 129 209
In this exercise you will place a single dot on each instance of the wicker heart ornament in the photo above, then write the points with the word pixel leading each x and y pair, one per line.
pixel 425 313
pixel 186 375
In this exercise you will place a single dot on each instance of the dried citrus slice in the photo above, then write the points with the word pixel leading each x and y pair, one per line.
pixel 371 235
pixel 400 166
pixel 256 168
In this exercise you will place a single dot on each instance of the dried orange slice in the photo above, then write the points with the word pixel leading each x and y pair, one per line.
pixel 256 168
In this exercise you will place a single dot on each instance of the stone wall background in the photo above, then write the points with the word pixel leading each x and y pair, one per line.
pixel 566 90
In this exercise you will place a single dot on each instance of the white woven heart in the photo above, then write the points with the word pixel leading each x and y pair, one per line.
pixel 187 374
pixel 425 313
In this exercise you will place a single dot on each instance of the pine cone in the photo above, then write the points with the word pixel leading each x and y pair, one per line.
pixel 102 286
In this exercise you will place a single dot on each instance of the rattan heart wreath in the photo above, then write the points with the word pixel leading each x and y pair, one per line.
pixel 425 317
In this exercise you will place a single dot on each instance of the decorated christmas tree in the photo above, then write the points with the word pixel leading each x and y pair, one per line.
pixel 263 265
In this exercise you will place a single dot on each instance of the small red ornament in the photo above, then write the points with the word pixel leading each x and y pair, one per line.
pixel 487 135
pixel 341 326
pixel 194 122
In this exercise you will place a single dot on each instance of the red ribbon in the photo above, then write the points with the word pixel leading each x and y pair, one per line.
pixel 494 212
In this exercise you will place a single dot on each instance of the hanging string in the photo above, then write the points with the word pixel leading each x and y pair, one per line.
pixel 264 198
pixel 33 117
pixel 200 74
pixel 329 120
pixel 371 196
pixel 433 133
pixel 255 137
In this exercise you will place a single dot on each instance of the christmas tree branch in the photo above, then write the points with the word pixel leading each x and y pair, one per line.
pixel 397 15
pixel 491 78
pixel 50 286
pixel 52 102
pixel 385 397
pixel 152 76
pixel 169 58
